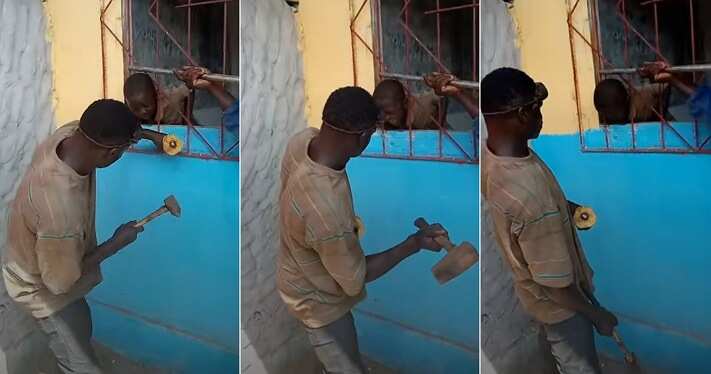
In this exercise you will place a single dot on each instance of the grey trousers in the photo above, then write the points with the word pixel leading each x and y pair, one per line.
pixel 336 346
pixel 69 332
pixel 573 346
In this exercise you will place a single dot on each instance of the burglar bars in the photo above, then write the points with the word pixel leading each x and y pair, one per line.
pixel 411 39
pixel 680 143
pixel 222 151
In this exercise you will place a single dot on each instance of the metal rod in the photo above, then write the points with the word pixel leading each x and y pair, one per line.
pixel 212 77
pixel 458 83
pixel 449 9
pixel 673 69
pixel 191 4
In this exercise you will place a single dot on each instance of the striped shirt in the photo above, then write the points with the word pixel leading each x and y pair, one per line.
pixel 535 232
pixel 51 229
pixel 320 266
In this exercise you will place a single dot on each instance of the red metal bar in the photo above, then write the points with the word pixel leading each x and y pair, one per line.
pixel 451 8
pixel 103 47
pixel 440 115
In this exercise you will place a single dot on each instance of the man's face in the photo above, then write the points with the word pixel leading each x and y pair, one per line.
pixel 392 110
pixel 531 119
pixel 144 106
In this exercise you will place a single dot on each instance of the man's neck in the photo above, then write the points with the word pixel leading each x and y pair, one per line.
pixel 68 151
pixel 325 153
pixel 508 147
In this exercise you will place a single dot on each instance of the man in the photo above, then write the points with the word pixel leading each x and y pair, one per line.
pixel 321 268
pixel 194 77
pixel 533 224
pixel 52 259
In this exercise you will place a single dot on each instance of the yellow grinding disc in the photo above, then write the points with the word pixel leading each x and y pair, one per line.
pixel 359 228
pixel 172 145
pixel 585 217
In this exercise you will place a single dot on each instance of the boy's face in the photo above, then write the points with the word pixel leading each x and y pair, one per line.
pixel 144 105
pixel 614 114
pixel 392 109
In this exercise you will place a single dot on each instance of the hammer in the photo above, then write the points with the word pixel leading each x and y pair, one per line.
pixel 170 205
pixel 457 260
pixel 630 357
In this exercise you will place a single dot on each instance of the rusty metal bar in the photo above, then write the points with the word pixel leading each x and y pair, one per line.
pixel 212 77
pixel 449 9
pixel 415 78
pixel 673 69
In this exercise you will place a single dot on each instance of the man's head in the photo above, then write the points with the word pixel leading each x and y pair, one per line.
pixel 350 115
pixel 109 128
pixel 612 102
pixel 141 97
pixel 511 104
pixel 391 99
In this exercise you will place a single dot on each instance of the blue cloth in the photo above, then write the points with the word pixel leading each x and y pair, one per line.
pixel 700 104
pixel 231 118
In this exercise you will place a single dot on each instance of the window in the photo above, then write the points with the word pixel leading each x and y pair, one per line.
pixel 413 38
pixel 625 35
pixel 160 35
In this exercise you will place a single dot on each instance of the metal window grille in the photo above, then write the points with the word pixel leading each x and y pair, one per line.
pixel 199 142
pixel 642 40
pixel 451 146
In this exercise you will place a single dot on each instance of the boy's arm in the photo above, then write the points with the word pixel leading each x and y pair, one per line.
pixel 442 87
pixel 658 71
pixel 193 78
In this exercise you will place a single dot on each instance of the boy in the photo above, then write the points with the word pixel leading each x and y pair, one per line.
pixel 52 259
pixel 617 104
pixel 321 268
pixel 533 224
pixel 154 105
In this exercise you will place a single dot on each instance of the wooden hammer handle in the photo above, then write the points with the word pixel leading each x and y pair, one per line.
pixel 156 213
pixel 422 224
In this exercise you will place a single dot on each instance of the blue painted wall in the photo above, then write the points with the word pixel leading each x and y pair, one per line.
pixel 170 299
pixel 408 321
pixel 649 249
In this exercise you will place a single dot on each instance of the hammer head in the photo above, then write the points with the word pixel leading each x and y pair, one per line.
pixel 457 261
pixel 172 205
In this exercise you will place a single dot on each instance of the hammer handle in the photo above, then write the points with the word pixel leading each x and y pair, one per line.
pixel 156 213
pixel 422 224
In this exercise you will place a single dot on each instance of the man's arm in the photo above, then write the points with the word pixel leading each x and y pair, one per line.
pixel 193 77
pixel 659 72
pixel 124 235
pixel 441 83
pixel 571 298
pixel 379 264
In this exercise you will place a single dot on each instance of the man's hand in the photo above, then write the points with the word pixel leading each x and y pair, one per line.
pixel 126 234
pixel 192 76
pixel 441 84
pixel 655 71
pixel 425 238
pixel 604 321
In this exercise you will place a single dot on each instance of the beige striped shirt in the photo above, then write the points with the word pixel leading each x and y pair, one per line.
pixel 50 230
pixel 535 232
pixel 320 266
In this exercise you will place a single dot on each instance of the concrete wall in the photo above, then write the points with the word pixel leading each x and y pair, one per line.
pixel 409 322
pixel 26 118
pixel 170 299
pixel 272 92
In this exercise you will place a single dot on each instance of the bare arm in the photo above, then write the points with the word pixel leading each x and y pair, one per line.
pixel 221 94
pixel 571 298
pixel 468 102
pixel 380 263
pixel 124 235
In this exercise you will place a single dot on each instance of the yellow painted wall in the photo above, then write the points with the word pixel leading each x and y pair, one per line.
pixel 325 41
pixel 544 43
pixel 75 37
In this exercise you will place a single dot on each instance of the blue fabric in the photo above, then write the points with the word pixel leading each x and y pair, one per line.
pixel 700 104
pixel 231 118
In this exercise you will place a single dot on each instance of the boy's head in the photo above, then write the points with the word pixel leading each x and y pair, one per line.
pixel 511 103
pixel 141 97
pixel 352 114
pixel 391 99
pixel 612 102
pixel 110 128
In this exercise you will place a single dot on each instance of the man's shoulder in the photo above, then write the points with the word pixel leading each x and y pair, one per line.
pixel 516 190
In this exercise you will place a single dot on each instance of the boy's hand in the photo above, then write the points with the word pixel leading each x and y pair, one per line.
pixel 655 71
pixel 441 84
pixel 604 322
pixel 192 76
pixel 425 238
pixel 126 234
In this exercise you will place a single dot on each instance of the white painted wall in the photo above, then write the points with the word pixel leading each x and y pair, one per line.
pixel 272 109
pixel 509 337
pixel 26 118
